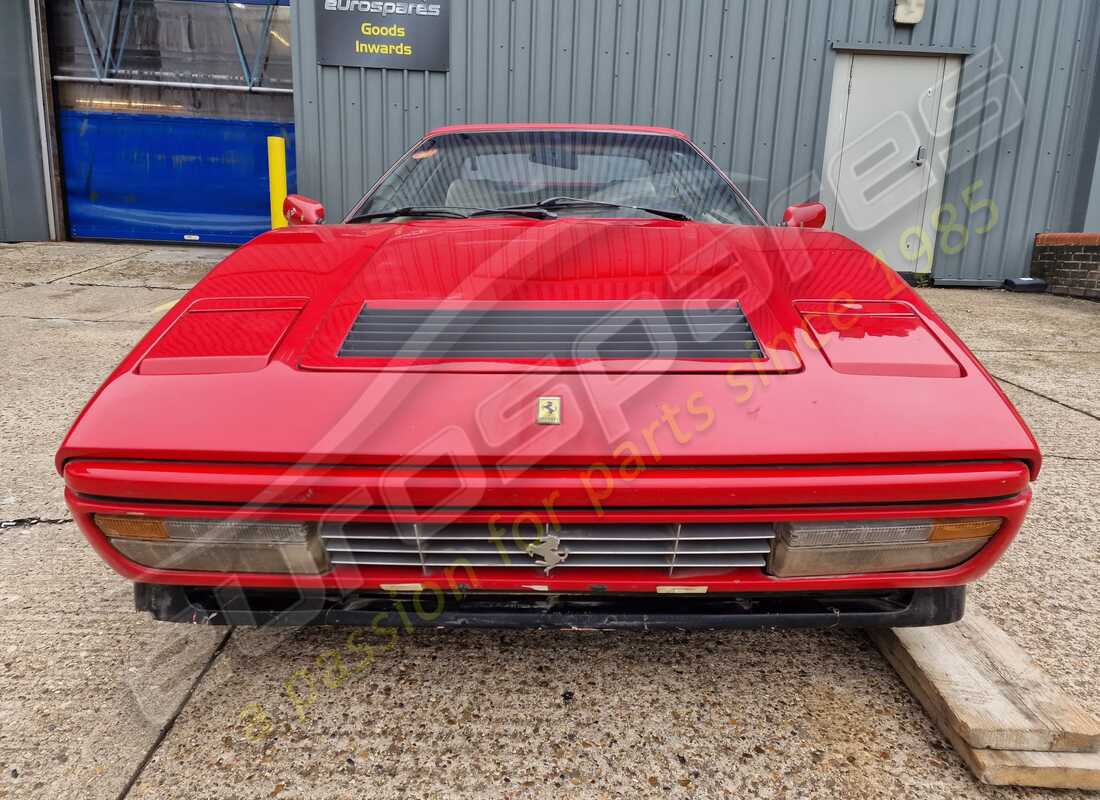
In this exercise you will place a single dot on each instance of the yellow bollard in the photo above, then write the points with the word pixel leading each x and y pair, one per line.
pixel 276 178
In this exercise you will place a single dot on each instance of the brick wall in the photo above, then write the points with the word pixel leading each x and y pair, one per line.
pixel 1069 263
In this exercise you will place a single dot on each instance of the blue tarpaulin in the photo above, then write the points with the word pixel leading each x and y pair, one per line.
pixel 168 179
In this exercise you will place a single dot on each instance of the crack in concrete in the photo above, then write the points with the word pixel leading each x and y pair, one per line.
pixel 12 286
pixel 127 286
pixel 1088 414
pixel 30 522
pixel 111 316
pixel 73 319
pixel 1053 352
pixel 171 722
pixel 1069 458
pixel 100 266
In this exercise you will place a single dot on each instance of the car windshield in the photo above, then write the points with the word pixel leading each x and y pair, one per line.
pixel 617 174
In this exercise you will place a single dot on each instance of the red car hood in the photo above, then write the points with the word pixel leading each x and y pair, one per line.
pixel 246 367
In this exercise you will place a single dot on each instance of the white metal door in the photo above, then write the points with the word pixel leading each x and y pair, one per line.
pixel 886 152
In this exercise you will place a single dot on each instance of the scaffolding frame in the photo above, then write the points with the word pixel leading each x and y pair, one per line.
pixel 106 43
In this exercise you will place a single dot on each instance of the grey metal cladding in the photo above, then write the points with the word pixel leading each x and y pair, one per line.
pixel 749 81
pixel 23 213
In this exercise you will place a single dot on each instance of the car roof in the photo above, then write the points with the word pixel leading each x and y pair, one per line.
pixel 553 126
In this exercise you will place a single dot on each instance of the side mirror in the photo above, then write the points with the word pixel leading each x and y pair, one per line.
pixel 301 210
pixel 805 215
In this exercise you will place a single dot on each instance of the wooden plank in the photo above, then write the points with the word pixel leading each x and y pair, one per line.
pixel 1028 767
pixel 974 681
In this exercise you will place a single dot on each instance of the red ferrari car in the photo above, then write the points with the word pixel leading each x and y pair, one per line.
pixel 555 376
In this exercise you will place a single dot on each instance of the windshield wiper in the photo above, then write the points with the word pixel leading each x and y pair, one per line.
pixel 411 211
pixel 534 213
pixel 452 212
pixel 580 202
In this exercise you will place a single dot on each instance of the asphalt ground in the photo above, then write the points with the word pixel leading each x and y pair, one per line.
pixel 98 701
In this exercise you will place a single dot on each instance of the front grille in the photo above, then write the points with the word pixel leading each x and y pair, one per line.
pixel 668 547
pixel 557 334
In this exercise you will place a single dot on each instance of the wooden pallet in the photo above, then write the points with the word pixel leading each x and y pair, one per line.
pixel 1003 715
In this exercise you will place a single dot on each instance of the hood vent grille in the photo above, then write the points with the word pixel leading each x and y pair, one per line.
pixel 674 334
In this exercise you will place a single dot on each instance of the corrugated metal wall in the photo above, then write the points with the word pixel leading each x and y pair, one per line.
pixel 749 81
pixel 23 213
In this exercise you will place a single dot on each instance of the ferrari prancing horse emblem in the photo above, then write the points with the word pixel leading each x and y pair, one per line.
pixel 549 551
pixel 548 411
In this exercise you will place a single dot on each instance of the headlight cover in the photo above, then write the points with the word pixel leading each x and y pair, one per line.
pixel 805 549
pixel 217 545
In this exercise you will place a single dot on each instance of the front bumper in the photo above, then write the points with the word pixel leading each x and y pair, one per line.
pixel 235 606
pixel 703 495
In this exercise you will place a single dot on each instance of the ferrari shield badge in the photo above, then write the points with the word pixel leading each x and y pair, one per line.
pixel 548 411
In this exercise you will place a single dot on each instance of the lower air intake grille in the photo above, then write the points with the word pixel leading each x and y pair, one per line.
pixel 537 334
pixel 667 547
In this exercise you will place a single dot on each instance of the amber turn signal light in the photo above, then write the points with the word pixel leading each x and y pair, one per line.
pixel 948 530
pixel 132 527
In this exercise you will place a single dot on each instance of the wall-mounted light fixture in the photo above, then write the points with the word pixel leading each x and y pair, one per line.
pixel 908 12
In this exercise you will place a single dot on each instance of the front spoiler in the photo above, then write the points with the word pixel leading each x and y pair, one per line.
pixel 892 608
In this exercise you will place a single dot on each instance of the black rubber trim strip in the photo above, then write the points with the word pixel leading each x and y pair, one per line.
pixel 909 608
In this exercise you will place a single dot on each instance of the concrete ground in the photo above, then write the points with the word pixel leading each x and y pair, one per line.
pixel 98 701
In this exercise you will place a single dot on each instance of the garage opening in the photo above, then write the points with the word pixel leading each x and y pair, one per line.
pixel 164 109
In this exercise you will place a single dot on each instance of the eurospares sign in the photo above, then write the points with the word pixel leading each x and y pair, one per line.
pixel 386 35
